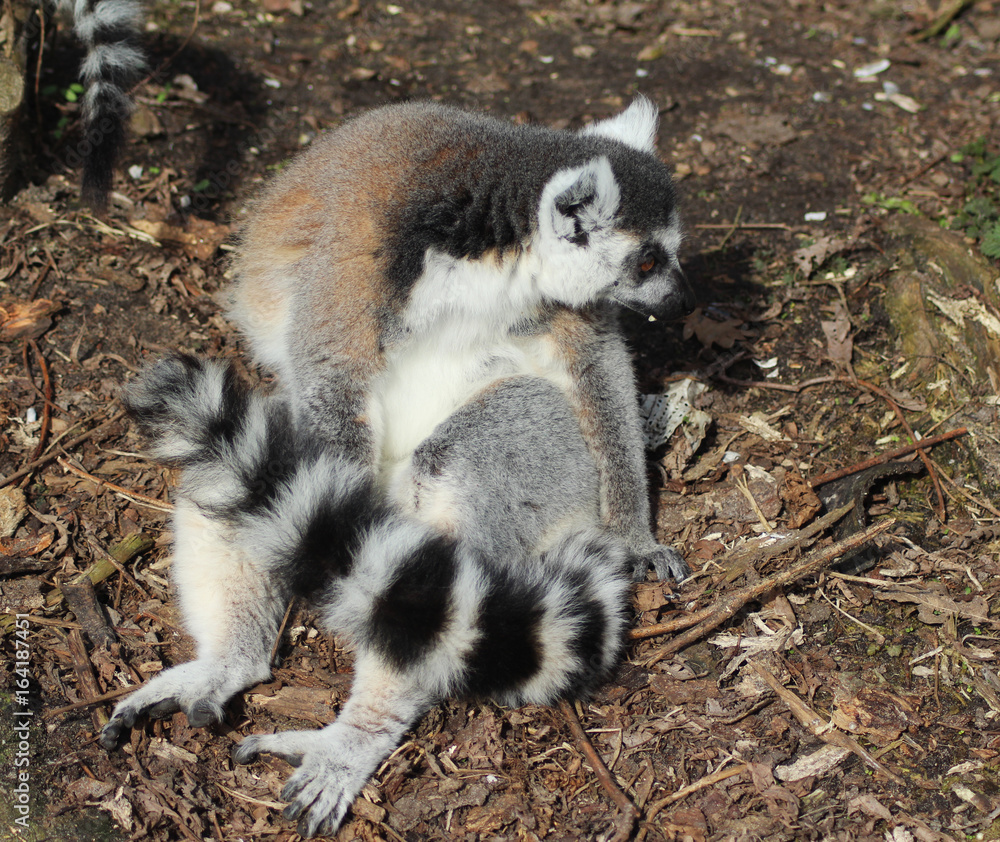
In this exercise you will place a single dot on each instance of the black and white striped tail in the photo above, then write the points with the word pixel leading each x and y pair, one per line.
pixel 109 31
pixel 294 505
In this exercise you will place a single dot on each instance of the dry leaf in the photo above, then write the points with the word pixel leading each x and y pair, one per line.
pixel 906 400
pixel 649 596
pixel 13 508
pixel 839 344
pixel 879 714
pixel 25 319
pixel 810 258
pixel 199 240
pixel 24 547
pixel 724 333
pixel 936 608
pixel 757 130
pixel 801 501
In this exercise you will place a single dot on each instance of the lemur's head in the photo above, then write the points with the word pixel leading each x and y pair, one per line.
pixel 608 228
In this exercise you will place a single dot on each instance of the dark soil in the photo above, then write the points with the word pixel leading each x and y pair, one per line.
pixel 765 120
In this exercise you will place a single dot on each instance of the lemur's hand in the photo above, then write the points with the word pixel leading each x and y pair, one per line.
pixel 666 562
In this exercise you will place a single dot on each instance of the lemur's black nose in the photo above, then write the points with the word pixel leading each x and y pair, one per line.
pixel 686 291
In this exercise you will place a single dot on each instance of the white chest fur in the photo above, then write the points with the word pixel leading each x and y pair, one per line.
pixel 460 321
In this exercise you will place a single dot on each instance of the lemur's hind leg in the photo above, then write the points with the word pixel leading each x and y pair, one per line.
pixel 508 473
pixel 239 454
pixel 231 606
pixel 335 763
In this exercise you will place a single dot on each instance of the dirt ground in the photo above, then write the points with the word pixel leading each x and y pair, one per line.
pixel 857 701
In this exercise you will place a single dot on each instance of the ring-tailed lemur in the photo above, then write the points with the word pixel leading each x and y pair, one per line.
pixel 114 63
pixel 451 467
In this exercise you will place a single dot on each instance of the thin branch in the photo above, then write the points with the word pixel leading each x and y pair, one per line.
pixel 48 394
pixel 681 794
pixel 629 812
pixel 750 226
pixel 133 496
pixel 281 631
pixel 812 722
pixel 976 501
pixel 783 387
pixel 727 607
pixel 752 552
pixel 930 441
pixel 941 511
pixel 33 465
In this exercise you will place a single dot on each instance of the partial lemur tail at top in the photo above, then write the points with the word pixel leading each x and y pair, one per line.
pixel 243 444
pixel 248 465
pixel 109 30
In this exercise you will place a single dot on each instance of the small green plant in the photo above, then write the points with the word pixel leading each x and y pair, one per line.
pixel 951 36
pixel 70 94
pixel 73 92
pixel 979 216
pixel 60 128
pixel 890 203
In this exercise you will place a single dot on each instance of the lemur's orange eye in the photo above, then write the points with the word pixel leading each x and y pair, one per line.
pixel 647 265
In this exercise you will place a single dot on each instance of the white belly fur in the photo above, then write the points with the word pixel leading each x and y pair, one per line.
pixel 427 379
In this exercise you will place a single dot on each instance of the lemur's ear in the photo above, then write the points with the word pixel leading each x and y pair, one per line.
pixel 580 200
pixel 635 126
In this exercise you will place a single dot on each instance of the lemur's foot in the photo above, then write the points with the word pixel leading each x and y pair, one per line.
pixel 196 688
pixel 334 765
pixel 666 562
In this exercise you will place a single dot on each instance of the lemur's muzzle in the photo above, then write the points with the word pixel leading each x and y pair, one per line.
pixel 678 300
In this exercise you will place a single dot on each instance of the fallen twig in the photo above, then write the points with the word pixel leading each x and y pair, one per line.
pixel 810 720
pixel 122 552
pixel 119 567
pixel 726 607
pixel 743 556
pixel 918 446
pixel 941 512
pixel 281 631
pixel 782 387
pixel 86 703
pixel 35 464
pixel 703 783
pixel 878 391
pixel 86 682
pixel 750 226
pixel 82 601
pixel 976 501
pixel 881 459
pixel 132 496
pixel 48 394
pixel 628 811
